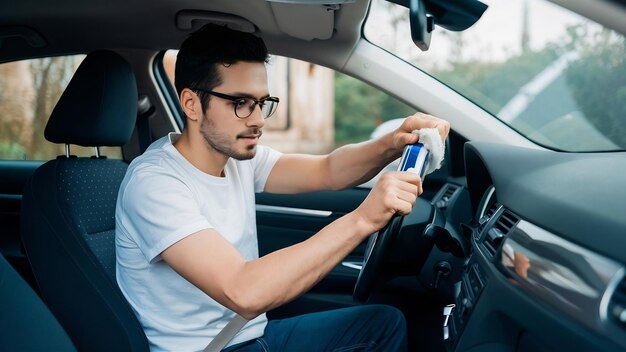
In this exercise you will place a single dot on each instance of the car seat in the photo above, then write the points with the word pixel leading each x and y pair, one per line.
pixel 68 208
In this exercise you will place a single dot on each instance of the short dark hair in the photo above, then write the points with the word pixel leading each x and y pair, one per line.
pixel 203 50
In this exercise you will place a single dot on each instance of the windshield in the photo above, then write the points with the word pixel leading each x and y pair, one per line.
pixel 554 76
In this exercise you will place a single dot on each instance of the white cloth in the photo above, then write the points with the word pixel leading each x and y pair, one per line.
pixel 431 140
pixel 164 198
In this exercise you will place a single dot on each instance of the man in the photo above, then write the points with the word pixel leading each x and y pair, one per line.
pixel 187 253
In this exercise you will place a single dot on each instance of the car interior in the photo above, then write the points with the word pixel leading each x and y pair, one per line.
pixel 517 243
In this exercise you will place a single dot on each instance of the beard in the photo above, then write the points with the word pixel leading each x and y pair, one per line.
pixel 224 143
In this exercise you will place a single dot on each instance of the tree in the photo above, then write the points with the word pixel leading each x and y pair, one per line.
pixel 29 90
pixel 598 82
pixel 492 84
pixel 359 108
pixel 16 97
pixel 50 77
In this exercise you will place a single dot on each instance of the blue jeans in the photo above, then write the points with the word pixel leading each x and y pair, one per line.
pixel 361 328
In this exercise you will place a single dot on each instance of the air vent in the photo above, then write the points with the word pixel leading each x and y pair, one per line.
pixel 446 193
pixel 492 210
pixel 485 219
pixel 482 222
pixel 495 235
pixel 617 305
pixel 506 221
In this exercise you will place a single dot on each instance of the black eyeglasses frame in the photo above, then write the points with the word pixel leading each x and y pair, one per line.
pixel 236 99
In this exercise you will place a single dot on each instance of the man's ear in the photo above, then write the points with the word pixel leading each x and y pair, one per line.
pixel 191 104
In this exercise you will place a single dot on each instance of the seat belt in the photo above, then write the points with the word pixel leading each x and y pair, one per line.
pixel 228 332
pixel 144 111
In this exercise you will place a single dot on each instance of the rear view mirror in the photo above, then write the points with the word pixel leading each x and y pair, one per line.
pixel 422 24
pixel 453 15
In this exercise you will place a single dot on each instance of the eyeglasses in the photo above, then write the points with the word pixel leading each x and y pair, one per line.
pixel 244 106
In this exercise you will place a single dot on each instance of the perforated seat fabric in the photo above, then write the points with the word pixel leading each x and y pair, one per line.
pixel 26 323
pixel 68 211
pixel 87 188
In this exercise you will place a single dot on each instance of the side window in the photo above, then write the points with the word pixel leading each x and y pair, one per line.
pixel 320 109
pixel 29 90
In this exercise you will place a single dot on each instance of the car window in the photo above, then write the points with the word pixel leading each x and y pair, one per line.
pixel 29 90
pixel 556 77
pixel 320 109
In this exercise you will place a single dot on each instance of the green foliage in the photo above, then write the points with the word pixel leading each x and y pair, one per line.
pixel 359 108
pixel 598 83
pixel 492 84
pixel 28 92
pixel 12 151
pixel 594 89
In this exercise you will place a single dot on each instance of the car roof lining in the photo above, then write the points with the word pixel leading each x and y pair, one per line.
pixel 102 26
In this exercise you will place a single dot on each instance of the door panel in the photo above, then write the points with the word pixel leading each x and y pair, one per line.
pixel 277 228
pixel 13 175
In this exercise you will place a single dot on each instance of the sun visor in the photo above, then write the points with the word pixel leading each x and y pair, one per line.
pixel 190 19
pixel 305 21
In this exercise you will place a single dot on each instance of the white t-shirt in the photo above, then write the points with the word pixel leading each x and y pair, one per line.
pixel 164 198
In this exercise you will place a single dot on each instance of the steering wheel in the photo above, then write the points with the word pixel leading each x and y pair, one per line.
pixel 400 242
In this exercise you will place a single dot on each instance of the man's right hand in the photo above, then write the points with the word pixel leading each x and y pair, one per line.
pixel 395 192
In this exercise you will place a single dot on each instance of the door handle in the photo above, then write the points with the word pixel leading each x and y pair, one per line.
pixel 352 265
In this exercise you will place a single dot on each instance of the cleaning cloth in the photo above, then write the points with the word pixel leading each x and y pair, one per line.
pixel 431 139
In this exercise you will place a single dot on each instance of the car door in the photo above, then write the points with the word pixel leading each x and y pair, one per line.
pixel 13 175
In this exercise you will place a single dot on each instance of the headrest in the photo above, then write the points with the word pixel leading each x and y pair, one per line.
pixel 99 106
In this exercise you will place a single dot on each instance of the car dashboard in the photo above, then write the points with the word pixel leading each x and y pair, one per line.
pixel 547 265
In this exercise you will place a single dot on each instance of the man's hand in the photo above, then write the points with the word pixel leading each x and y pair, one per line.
pixel 395 192
pixel 403 136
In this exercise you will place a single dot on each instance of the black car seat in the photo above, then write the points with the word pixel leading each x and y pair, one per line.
pixel 68 208
pixel 26 324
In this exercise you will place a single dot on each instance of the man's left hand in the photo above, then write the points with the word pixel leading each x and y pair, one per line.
pixel 403 136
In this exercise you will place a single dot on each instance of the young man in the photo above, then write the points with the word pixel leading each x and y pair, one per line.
pixel 187 253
